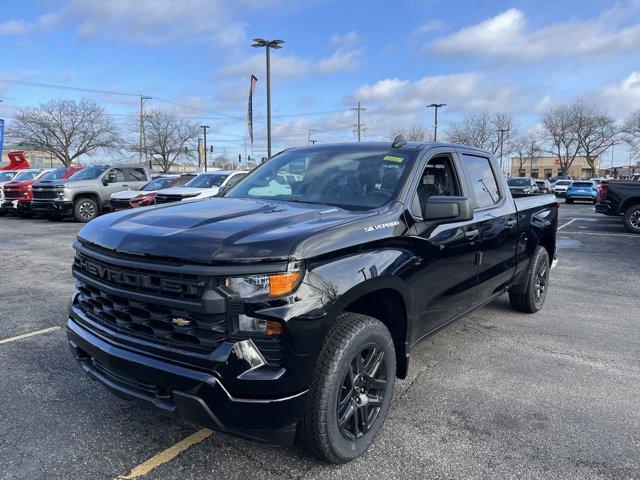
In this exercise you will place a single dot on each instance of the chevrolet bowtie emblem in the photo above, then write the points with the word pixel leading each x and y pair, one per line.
pixel 181 322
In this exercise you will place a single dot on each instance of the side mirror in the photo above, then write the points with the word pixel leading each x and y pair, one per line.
pixel 111 178
pixel 447 209
pixel 222 191
pixel 105 182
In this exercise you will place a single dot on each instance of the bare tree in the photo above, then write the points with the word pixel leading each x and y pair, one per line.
pixel 631 132
pixel 167 137
pixel 415 133
pixel 65 128
pixel 524 149
pixel 559 129
pixel 596 131
pixel 482 130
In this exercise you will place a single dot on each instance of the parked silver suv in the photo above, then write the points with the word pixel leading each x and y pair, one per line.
pixel 86 193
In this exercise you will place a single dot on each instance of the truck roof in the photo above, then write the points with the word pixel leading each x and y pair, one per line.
pixel 408 146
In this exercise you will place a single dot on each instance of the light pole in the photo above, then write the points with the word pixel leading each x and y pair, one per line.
pixel 204 128
pixel 502 131
pixel 435 107
pixel 268 44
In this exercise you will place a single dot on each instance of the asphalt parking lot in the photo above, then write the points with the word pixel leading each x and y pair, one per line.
pixel 498 394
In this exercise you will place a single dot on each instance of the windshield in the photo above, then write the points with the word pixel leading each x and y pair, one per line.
pixel 88 173
pixel 6 176
pixel 582 184
pixel 56 174
pixel 158 184
pixel 349 177
pixel 207 180
pixel 519 182
pixel 563 182
pixel 21 177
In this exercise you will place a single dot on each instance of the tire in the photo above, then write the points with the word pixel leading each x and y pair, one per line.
pixel 332 393
pixel 632 219
pixel 85 209
pixel 535 294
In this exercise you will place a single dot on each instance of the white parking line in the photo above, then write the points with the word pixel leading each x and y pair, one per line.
pixel 26 335
pixel 166 455
pixel 568 223
pixel 632 235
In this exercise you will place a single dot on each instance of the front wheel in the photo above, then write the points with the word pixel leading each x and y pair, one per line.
pixel 85 210
pixel 351 389
pixel 532 299
pixel 632 219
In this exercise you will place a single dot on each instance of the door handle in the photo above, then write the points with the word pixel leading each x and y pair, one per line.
pixel 511 222
pixel 472 233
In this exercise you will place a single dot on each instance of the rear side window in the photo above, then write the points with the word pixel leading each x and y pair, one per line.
pixel 483 180
pixel 135 175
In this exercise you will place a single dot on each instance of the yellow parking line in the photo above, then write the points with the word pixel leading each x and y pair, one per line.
pixel 26 335
pixel 166 455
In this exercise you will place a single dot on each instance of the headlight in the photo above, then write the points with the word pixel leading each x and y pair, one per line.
pixel 273 285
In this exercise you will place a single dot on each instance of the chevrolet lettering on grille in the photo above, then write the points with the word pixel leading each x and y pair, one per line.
pixel 149 281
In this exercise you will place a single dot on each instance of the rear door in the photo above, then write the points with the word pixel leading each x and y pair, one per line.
pixel 135 178
pixel 445 277
pixel 495 223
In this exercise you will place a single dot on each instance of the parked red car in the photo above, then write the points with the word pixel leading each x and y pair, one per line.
pixel 18 193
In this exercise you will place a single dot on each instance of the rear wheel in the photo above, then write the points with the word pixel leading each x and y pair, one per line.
pixel 532 299
pixel 85 210
pixel 351 389
pixel 632 219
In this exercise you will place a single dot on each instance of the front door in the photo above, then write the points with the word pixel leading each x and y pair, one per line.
pixel 445 273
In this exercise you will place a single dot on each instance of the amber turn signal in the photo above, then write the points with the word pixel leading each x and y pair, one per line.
pixel 274 329
pixel 283 283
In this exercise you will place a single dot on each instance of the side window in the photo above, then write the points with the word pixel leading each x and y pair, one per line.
pixel 483 180
pixel 116 173
pixel 135 175
pixel 438 178
pixel 235 179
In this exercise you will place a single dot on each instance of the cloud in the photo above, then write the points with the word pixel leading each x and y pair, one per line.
pixel 350 38
pixel 21 27
pixel 506 36
pixel 622 96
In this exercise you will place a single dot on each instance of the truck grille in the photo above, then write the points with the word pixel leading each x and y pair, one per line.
pixel 45 193
pixel 159 324
pixel 14 194
pixel 184 287
pixel 171 198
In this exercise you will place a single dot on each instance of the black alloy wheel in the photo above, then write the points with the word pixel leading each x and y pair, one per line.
pixel 361 392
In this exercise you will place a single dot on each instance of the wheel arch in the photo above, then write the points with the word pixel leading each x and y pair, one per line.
pixel 628 203
pixel 92 195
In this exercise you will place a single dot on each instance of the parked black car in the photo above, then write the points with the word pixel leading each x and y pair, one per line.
pixel 289 309
pixel 522 185
pixel 621 198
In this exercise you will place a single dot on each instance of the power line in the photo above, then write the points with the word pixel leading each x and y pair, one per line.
pixel 66 87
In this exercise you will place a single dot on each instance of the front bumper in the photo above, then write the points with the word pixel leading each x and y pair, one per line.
pixel 52 207
pixel 19 206
pixel 192 394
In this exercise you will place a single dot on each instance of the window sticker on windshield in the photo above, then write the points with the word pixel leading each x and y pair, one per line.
pixel 428 179
pixel 391 158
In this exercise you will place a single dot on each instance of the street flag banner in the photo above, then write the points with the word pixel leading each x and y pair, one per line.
pixel 252 87
pixel 1 137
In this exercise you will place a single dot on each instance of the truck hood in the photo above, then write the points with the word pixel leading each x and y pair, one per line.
pixel 24 183
pixel 226 230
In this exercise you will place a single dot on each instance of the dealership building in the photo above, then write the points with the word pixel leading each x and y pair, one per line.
pixel 546 167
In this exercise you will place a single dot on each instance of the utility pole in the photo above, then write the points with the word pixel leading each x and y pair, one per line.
pixel 435 107
pixel 143 98
pixel 359 126
pixel 502 131
pixel 533 146
pixel 269 44
pixel 204 128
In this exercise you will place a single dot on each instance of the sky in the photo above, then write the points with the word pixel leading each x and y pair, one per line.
pixel 194 57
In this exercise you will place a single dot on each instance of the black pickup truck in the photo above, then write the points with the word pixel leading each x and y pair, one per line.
pixel 288 307
pixel 621 198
